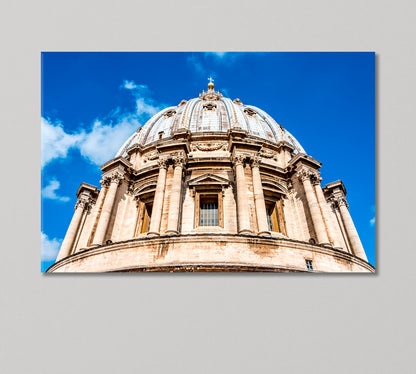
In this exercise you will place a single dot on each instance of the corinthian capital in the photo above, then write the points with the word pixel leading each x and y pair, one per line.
pixel 307 173
pixel 105 182
pixel 303 174
pixel 316 179
pixel 238 160
pixel 178 160
pixel 83 203
pixel 117 177
pixel 342 201
pixel 255 161
pixel 163 163
pixel 337 201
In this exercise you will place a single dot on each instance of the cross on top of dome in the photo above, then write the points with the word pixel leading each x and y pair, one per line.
pixel 210 94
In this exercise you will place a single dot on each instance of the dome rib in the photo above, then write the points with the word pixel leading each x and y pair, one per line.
pixel 198 116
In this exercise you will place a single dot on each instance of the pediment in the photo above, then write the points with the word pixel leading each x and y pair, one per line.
pixel 274 186
pixel 145 188
pixel 208 179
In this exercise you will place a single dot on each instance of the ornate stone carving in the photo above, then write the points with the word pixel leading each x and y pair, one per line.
pixel 255 161
pixel 303 174
pixel 337 201
pixel 105 182
pixel 84 203
pixel 250 112
pixel 210 106
pixel 130 187
pixel 210 95
pixel 117 177
pixel 163 163
pixel 342 201
pixel 268 154
pixel 208 147
pixel 178 160
pixel 307 173
pixel 316 179
pixel 238 160
pixel 150 156
pixel 170 113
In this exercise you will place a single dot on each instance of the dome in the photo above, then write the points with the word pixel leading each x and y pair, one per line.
pixel 211 185
pixel 211 112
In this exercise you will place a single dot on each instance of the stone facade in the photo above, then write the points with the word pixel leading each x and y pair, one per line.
pixel 234 199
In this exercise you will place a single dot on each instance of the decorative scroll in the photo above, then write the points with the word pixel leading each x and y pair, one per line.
pixel 150 156
pixel 208 147
pixel 268 154
pixel 307 173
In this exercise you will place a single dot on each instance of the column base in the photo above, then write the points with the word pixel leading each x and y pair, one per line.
pixel 172 232
pixel 151 233
pixel 264 233
pixel 326 244
pixel 246 232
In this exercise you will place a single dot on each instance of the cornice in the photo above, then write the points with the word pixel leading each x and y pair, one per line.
pixel 118 161
pixel 302 158
pixel 330 187
pixel 89 188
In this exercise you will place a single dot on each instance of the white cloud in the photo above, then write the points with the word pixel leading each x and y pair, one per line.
pixel 218 55
pixel 129 85
pixel 373 220
pixel 55 141
pixel 49 247
pixel 49 192
pixel 101 142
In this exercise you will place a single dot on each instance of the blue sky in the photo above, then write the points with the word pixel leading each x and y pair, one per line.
pixel 92 102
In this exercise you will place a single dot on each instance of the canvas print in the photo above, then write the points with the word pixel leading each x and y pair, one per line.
pixel 208 162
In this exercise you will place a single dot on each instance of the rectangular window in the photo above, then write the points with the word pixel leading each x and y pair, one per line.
pixel 146 218
pixel 208 213
pixel 309 265
pixel 272 219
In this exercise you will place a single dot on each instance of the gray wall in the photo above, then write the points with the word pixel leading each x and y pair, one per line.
pixel 206 323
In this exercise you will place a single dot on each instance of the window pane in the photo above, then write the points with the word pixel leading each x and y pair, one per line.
pixel 269 219
pixel 209 212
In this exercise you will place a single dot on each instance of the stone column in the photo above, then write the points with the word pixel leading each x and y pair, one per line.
pixel 355 241
pixel 158 199
pixel 68 242
pixel 259 198
pixel 175 196
pixel 242 203
pixel 107 208
pixel 98 205
pixel 325 212
pixel 318 222
pixel 341 225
